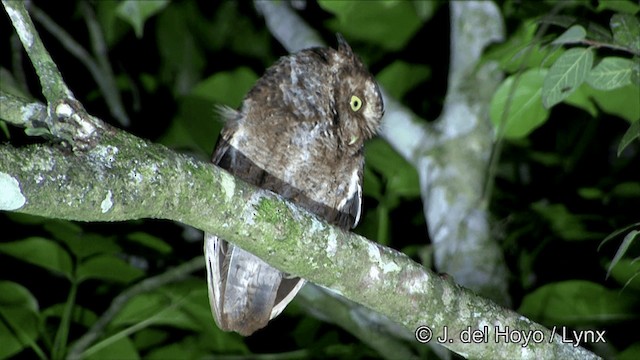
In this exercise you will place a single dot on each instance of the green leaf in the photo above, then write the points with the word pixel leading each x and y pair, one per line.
pixel 627 189
pixel 81 243
pixel 137 12
pixel 577 303
pixel 626 31
pixel 622 101
pixel 622 249
pixel 565 224
pixel 401 177
pixel 121 348
pixel 632 352
pixel 362 21
pixel 581 99
pixel 19 319
pixel 590 193
pixel 626 6
pixel 617 233
pixel 41 252
pixel 156 307
pixel 108 267
pixel 149 338
pixel 400 77
pixel 150 241
pixel 632 133
pixel 522 50
pixel 226 88
pixel 566 75
pixel 611 73
pixel 182 56
pixel 196 125
pixel 626 272
pixel 188 348
pixel 574 34
pixel 79 315
pixel 525 112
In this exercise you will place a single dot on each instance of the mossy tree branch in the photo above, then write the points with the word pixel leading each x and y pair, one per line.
pixel 126 178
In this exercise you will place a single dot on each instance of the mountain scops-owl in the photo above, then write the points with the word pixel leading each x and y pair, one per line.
pixel 299 133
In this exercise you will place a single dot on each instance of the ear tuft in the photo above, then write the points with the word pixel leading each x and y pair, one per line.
pixel 343 46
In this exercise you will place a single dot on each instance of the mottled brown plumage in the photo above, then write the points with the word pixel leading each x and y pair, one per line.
pixel 299 133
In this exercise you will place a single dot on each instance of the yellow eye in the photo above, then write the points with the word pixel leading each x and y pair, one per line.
pixel 356 103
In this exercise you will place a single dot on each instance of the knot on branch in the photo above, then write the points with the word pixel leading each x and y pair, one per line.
pixel 73 125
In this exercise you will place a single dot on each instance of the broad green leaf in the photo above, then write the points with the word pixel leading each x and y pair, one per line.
pixel 137 12
pixel 622 102
pixel 626 30
pixel 627 189
pixel 574 34
pixel 81 243
pixel 611 73
pixel 388 23
pixel 150 241
pixel 400 77
pixel 626 272
pixel 79 314
pixel 188 348
pixel 198 124
pixel 166 307
pixel 121 348
pixel 525 112
pixel 182 57
pixel 599 33
pixel 580 99
pixel 566 75
pixel 108 267
pixel 564 223
pixel 149 338
pixel 400 177
pixel 590 193
pixel 626 6
pixel 632 352
pixel 372 185
pixel 632 133
pixel 27 219
pixel 577 303
pixel 226 88
pixel 19 319
pixel 113 27
pixel 41 252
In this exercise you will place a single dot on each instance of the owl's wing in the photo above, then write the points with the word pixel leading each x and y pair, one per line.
pixel 244 291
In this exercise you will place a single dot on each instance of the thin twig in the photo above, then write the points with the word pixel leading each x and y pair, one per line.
pixel 100 71
pixel 106 78
pixel 53 86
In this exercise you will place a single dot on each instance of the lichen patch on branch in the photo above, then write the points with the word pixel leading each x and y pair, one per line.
pixel 107 203
pixel 11 197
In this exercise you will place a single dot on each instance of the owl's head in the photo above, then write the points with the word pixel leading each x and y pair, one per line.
pixel 358 101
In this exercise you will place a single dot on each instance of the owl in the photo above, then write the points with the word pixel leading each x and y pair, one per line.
pixel 299 133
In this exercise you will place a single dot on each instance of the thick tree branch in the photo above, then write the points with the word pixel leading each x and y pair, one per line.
pixel 125 178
